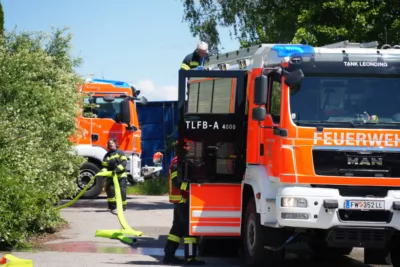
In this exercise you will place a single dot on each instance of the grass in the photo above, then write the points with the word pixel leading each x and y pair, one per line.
pixel 153 187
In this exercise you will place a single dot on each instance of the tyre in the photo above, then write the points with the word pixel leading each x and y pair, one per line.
pixel 88 170
pixel 131 180
pixel 256 236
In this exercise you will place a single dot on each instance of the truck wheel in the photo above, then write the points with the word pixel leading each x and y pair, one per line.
pixel 131 180
pixel 255 237
pixel 88 170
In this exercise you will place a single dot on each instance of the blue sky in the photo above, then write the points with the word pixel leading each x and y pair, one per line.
pixel 142 42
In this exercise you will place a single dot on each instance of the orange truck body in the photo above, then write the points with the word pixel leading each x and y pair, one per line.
pixel 331 183
pixel 114 117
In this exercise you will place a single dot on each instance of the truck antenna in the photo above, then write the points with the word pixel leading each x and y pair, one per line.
pixel 386 34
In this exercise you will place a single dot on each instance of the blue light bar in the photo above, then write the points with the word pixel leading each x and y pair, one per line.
pixel 115 83
pixel 290 49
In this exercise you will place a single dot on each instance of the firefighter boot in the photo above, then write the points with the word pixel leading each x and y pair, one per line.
pixel 191 252
pixel 170 258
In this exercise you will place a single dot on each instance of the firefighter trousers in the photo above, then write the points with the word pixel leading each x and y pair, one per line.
pixel 179 229
pixel 110 190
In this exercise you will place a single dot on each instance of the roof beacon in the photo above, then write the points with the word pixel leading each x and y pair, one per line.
pixel 289 50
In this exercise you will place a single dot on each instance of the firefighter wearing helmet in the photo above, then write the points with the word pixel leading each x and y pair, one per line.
pixel 178 195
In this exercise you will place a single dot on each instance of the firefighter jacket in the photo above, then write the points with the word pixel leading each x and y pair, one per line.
pixel 193 60
pixel 178 190
pixel 115 161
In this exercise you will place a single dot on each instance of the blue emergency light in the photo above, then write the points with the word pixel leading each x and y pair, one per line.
pixel 115 83
pixel 290 49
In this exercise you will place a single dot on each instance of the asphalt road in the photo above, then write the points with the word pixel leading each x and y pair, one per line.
pixel 78 246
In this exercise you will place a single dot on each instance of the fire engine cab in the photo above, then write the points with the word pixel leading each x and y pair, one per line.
pixel 109 112
pixel 293 143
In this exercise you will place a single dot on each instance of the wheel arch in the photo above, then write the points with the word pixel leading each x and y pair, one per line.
pixel 92 153
pixel 95 161
pixel 258 183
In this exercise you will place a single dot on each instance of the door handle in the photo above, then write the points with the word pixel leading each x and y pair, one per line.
pixel 95 137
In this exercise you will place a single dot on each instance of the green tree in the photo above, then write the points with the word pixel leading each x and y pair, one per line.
pixel 38 101
pixel 1 20
pixel 324 22
pixel 316 22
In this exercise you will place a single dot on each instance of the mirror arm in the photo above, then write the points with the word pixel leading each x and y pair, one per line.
pixel 277 131
pixel 285 73
pixel 265 127
pixel 130 127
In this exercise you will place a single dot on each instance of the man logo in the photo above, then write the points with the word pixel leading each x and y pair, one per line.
pixel 365 161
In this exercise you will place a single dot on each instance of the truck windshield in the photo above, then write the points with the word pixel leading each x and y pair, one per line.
pixel 359 102
pixel 109 110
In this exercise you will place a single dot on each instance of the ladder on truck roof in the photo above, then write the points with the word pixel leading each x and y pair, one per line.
pixel 233 57
pixel 347 44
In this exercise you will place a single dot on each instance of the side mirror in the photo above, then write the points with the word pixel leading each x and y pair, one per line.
pixel 259 114
pixel 294 78
pixel 125 111
pixel 143 100
pixel 260 90
pixel 108 98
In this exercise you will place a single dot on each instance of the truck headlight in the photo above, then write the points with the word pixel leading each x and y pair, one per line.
pixel 293 202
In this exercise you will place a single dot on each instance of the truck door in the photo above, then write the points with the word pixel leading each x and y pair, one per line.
pixel 212 123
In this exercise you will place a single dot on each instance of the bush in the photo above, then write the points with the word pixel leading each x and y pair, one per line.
pixel 38 101
pixel 155 186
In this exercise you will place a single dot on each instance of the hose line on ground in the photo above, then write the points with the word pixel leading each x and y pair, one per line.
pixel 9 260
pixel 126 228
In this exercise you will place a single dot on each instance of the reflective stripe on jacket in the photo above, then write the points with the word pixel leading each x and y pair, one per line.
pixel 115 161
pixel 177 191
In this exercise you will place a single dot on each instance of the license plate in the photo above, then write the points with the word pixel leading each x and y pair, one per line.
pixel 365 204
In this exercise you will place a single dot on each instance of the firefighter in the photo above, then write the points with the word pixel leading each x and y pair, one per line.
pixel 158 158
pixel 178 195
pixel 115 161
pixel 199 58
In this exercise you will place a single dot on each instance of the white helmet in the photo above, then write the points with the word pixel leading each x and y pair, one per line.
pixel 202 46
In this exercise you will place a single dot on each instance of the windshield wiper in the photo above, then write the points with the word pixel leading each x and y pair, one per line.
pixel 380 123
pixel 351 123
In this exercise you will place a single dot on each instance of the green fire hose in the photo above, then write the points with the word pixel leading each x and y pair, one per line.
pixel 113 234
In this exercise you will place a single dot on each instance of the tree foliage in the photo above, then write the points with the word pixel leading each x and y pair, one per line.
pixel 317 22
pixel 38 102
pixel 1 20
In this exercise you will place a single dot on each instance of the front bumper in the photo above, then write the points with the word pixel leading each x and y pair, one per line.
pixel 326 209
pixel 139 172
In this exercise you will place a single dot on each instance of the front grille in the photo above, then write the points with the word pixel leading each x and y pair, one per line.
pixel 354 164
pixel 359 191
pixel 383 216
pixel 363 237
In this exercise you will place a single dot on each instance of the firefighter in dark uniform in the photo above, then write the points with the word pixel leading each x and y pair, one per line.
pixel 178 195
pixel 115 161
pixel 199 58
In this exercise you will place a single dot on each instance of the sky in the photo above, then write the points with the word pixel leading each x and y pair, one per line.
pixel 140 42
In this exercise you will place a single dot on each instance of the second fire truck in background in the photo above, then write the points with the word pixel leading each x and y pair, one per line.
pixel 110 112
